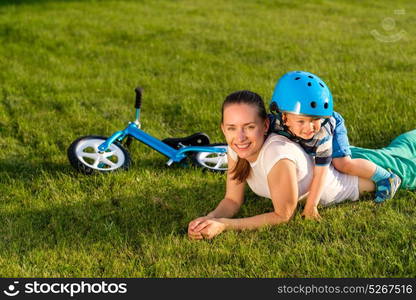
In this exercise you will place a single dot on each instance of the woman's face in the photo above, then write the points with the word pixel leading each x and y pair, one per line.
pixel 244 130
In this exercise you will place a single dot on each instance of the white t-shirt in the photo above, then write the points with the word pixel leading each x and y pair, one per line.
pixel 338 186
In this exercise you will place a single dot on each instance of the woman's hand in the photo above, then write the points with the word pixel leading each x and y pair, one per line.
pixel 194 234
pixel 205 228
pixel 212 228
pixel 311 213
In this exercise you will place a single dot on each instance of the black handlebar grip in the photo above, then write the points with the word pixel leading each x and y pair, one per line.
pixel 138 91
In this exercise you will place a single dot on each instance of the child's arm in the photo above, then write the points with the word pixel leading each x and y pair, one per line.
pixel 315 191
pixel 323 159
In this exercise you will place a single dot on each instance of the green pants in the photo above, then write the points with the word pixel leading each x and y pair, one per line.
pixel 399 157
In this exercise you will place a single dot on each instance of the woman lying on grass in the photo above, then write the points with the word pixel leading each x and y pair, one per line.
pixel 279 169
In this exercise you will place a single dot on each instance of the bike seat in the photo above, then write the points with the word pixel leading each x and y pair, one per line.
pixel 197 139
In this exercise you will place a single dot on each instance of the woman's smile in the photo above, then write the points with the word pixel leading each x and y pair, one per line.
pixel 243 146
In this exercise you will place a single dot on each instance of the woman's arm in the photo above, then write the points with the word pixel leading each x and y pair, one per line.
pixel 234 196
pixel 283 187
pixel 227 208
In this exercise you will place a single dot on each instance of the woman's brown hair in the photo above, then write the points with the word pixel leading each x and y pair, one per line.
pixel 242 169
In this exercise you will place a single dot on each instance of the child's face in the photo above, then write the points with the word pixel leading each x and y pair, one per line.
pixel 302 126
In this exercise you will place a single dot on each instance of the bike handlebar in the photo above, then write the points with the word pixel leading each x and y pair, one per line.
pixel 138 103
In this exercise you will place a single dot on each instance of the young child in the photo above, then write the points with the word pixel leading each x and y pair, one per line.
pixel 302 110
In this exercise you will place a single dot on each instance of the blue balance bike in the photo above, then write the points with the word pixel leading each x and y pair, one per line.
pixel 92 154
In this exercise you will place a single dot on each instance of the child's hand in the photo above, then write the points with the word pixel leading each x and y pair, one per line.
pixel 311 213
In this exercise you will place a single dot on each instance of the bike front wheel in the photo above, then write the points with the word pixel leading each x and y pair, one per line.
pixel 212 161
pixel 84 156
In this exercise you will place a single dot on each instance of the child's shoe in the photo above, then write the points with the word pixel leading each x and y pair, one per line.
pixel 386 188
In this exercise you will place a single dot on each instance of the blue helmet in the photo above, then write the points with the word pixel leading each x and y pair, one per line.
pixel 302 93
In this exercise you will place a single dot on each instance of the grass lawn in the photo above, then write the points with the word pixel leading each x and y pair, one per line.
pixel 69 68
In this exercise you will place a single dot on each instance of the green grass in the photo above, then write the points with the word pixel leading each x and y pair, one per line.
pixel 68 68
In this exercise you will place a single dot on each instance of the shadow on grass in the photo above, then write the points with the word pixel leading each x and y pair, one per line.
pixel 116 222
pixel 29 2
pixel 16 168
pixel 99 213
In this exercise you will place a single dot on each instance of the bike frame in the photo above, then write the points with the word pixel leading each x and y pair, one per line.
pixel 174 155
